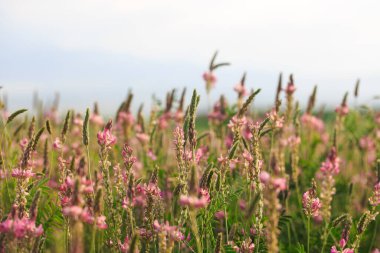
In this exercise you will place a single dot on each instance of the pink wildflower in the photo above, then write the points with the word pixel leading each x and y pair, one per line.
pixel 374 200
pixel 22 174
pixel 57 143
pixel 311 203
pixel 210 80
pixel 105 137
pixel 240 89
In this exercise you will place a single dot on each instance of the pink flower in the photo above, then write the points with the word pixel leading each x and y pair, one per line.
pixel 178 116
pixel 247 156
pixel 210 80
pixel 311 203
pixel 96 119
pixel 331 164
pixel 151 155
pixel 124 247
pixel 72 211
pixel 22 174
pixel 342 110
pixel 172 231
pixel 127 154
pixel 313 122
pixel 237 122
pixel 290 88
pixel 24 143
pixel 20 228
pixel 220 215
pixel 246 246
pixel 242 204
pixel 3 174
pixel 196 202
pixel 101 222
pixel 126 117
pixel 87 217
pixel 105 138
pixel 374 200
pixel 342 243
pixel 334 250
pixel 163 121
pixel 276 119
pixel 6 225
pixel 142 137
pixel 280 184
pixel 264 177
pixel 241 90
pixel 57 143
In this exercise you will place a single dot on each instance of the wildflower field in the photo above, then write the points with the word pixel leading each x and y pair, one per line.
pixel 288 179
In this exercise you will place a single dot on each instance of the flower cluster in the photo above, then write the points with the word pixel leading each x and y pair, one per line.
pixel 105 137
pixel 332 163
pixel 172 232
pixel 374 200
pixel 20 227
pixel 310 202
pixel 196 202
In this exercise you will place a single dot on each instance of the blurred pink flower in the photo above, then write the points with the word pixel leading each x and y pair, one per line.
pixel 105 137
pixel 311 204
pixel 22 174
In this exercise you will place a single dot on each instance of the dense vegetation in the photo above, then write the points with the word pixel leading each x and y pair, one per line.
pixel 282 181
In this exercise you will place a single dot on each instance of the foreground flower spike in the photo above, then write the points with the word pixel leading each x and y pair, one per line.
pixel 310 202
pixel 105 137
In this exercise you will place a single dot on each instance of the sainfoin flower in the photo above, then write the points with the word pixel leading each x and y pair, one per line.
pixel 171 231
pixel 313 122
pixel 125 246
pixel 96 119
pixel 331 165
pixel 311 203
pixel 196 202
pixel 22 174
pixel 290 88
pixel 20 227
pixel 105 137
pixel 279 184
pixel 374 200
pixel 342 110
pixel 240 89
pixel 334 250
pixel 246 246
pixel 82 214
pixel 237 122
pixel 57 144
pixel 210 80
pixel 277 120
pixel 220 215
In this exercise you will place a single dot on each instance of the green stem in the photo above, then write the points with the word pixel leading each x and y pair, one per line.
pixel 226 221
pixel 325 236
pixel 308 234
pixel 373 237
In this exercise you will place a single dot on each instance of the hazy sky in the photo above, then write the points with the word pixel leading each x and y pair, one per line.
pixel 96 50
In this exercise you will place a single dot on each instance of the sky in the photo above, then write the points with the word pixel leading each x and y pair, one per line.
pixel 93 50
